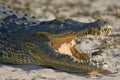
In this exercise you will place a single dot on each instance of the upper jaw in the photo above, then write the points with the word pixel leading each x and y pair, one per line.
pixel 98 32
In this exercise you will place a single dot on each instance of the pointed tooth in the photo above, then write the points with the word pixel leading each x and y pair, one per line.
pixel 105 66
pixel 88 61
pixel 109 32
pixel 97 64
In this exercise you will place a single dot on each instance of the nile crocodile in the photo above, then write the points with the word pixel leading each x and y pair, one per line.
pixel 25 40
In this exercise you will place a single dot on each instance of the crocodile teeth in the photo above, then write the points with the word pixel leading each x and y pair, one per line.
pixel 92 63
pixel 81 61
pixel 105 66
pixel 108 32
pixel 97 64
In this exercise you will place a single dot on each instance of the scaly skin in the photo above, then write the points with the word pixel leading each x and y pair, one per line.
pixel 24 40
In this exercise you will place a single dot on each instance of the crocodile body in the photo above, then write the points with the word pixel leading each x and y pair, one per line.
pixel 25 40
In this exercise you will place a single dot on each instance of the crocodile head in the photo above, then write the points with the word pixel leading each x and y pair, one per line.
pixel 64 31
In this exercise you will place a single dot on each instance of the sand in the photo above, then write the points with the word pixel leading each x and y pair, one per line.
pixel 109 46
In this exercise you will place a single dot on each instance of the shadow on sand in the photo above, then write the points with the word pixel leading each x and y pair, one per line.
pixel 29 68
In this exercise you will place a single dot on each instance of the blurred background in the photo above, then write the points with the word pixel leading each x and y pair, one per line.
pixel 81 10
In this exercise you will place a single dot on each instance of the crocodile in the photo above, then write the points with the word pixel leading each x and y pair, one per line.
pixel 26 40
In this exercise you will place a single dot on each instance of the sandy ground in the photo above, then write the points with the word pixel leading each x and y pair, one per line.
pixel 91 10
